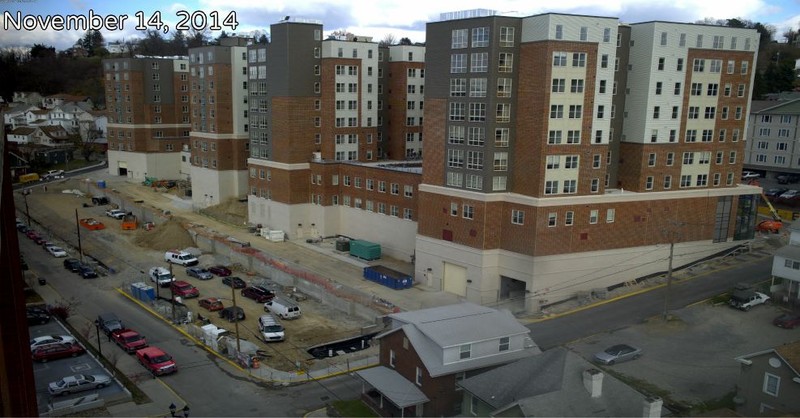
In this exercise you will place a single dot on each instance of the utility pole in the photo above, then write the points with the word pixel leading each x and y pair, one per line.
pixel 673 234
pixel 78 228
pixel 669 281
pixel 235 319
pixel 25 193
pixel 172 293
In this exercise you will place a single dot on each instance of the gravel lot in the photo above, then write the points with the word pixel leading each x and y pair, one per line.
pixel 690 359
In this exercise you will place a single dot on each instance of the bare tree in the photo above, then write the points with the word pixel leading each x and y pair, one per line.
pixel 388 39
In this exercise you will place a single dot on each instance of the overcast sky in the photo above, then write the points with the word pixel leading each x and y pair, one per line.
pixel 376 18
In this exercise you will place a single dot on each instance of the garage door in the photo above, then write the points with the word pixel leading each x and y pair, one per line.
pixel 455 279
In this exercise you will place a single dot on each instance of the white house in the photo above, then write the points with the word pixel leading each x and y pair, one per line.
pixel 786 265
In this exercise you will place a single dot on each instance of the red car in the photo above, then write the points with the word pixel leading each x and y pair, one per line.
pixel 129 340
pixel 212 304
pixel 184 289
pixel 56 351
pixel 258 294
pixel 221 271
pixel 32 234
pixel 156 361
pixel 788 321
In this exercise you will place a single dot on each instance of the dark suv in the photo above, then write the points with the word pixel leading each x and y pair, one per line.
pixel 72 264
pixel 258 294
pixel 108 323
pixel 232 314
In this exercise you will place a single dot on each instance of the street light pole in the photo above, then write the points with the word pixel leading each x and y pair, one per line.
pixel 25 193
pixel 97 331
pixel 172 293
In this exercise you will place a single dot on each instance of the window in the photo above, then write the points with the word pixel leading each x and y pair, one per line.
pixel 418 378
pixel 477 112
pixel 658 87
pixel 559 85
pixel 458 87
pixel 656 112
pixel 505 63
pixel 392 358
pixel 569 218
pixel 465 351
pixel 506 36
pixel 477 87
pixel 677 89
pixel 740 90
pixel 479 62
pixel 679 65
pixel 559 59
pixel 576 86
pixel 559 31
pixel 593 215
pixel 480 37
pixel 517 217
pixel 503 113
pixel 468 211
pixel 667 182
pixel 578 59
pixel 504 87
pixel 556 111
pixel 575 111
pixel 458 63
pixel 744 67
pixel 661 63
pixel 604 61
pixel 772 383
pixel 699 65
pixel 648 183
pixel 552 219
pixel 505 342
pixel 610 214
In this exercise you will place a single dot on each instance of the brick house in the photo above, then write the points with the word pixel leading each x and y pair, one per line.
pixel 425 353
pixel 769 382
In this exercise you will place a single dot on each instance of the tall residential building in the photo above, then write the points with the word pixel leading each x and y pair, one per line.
pixel 219 135
pixel 527 122
pixel 147 102
pixel 772 138
pixel 323 113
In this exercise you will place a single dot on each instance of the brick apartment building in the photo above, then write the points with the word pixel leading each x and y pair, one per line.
pixel 328 117
pixel 219 137
pixel 564 153
pixel 147 101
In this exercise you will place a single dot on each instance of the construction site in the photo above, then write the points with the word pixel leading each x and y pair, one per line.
pixel 338 304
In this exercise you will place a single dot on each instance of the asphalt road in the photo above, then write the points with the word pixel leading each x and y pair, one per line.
pixel 635 309
pixel 211 386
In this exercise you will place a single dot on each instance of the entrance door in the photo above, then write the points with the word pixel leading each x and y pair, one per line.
pixel 122 168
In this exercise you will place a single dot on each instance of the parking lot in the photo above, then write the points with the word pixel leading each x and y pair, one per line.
pixel 54 370
pixel 691 357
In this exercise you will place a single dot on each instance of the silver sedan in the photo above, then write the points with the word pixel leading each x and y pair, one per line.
pixel 617 354
pixel 78 383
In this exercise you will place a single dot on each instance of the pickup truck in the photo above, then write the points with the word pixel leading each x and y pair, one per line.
pixel 129 340
pixel 156 361
pixel 748 300
pixel 116 213
pixel 161 276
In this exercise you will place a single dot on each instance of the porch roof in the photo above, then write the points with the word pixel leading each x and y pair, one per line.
pixel 393 386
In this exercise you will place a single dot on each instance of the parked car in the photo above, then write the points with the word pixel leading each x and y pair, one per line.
pixel 258 294
pixel 72 264
pixel 37 316
pixel 746 300
pixel 180 257
pixel 56 251
pixel 788 321
pixel 271 329
pixel 109 322
pixel 788 178
pixel 32 234
pixel 156 361
pixel 56 351
pixel 211 304
pixel 617 354
pixel 129 340
pixel 51 339
pixel 234 282
pixel 747 175
pixel 116 213
pixel 220 271
pixel 52 174
pixel 789 194
pixel 232 314
pixel 87 272
pixel 78 383
pixel 184 289
pixel 199 272
pixel 775 192
pixel 161 276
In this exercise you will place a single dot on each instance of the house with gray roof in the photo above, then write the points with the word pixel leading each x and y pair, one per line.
pixel 769 382
pixel 555 383
pixel 786 267
pixel 425 353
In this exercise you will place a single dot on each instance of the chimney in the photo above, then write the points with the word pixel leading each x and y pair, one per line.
pixel 651 407
pixel 593 382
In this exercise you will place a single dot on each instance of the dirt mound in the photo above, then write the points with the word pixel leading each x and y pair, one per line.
pixel 166 236
pixel 231 211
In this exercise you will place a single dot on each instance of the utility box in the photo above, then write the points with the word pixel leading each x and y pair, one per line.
pixel 365 250
pixel 343 245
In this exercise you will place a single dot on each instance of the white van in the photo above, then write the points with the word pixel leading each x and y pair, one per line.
pixel 180 257
pixel 270 328
pixel 284 308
